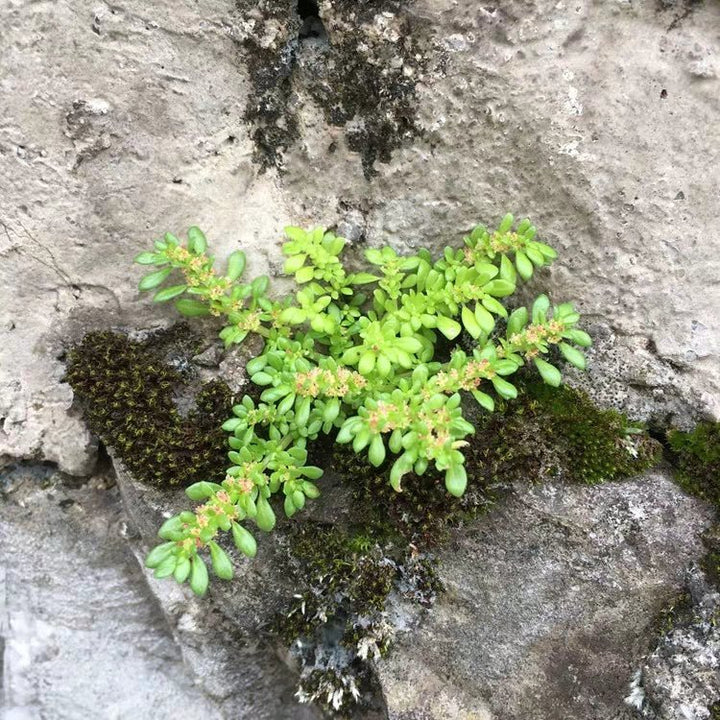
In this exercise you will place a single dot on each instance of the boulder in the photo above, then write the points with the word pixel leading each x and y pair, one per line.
pixel 551 603
pixel 400 123
pixel 80 635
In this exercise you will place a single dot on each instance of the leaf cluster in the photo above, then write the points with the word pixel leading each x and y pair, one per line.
pixel 353 355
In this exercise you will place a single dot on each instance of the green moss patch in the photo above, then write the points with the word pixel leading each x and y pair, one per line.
pixel 558 433
pixel 696 455
pixel 128 392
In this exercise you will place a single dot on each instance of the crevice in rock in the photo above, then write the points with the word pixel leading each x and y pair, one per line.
pixel 312 24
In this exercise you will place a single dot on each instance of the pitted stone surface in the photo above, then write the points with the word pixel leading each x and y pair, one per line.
pixel 551 603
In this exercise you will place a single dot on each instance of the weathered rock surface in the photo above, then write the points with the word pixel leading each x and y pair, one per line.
pixel 681 678
pixel 401 123
pixel 224 636
pixel 551 602
pixel 80 635
pixel 551 606
pixel 119 122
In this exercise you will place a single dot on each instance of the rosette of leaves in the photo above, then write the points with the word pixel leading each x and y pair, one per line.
pixel 353 355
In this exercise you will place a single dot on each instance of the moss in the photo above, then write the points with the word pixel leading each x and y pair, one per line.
pixel 677 612
pixel 346 575
pixel 696 456
pixel 361 74
pixel 559 432
pixel 128 391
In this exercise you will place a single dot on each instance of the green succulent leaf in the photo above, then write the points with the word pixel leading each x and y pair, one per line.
pixel 456 480
pixel 304 275
pixel 549 373
pixel 376 453
pixel 573 355
pixel 517 321
pixel 448 327
pixel 192 308
pixel 220 561
pixel 265 518
pixel 363 278
pixel 236 265
pixel 197 243
pixel 169 293
pixel 199 579
pixel 154 279
pixel 148 258
pixel 159 553
pixel 470 322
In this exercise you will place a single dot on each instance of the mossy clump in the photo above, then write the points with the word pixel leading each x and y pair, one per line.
pixel 696 456
pixel 676 612
pixel 339 618
pixel 128 391
pixel 360 64
pixel 560 433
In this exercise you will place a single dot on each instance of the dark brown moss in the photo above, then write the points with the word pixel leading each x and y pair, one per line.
pixel 361 77
pixel 128 391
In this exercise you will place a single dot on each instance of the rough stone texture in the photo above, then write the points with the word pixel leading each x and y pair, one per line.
pixel 592 119
pixel 597 119
pixel 119 121
pixel 681 678
pixel 551 602
pixel 80 635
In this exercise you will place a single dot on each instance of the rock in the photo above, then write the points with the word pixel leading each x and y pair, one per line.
pixel 533 108
pixel 223 635
pixel 120 123
pixel 681 678
pixel 552 601
pixel 400 123
pixel 80 635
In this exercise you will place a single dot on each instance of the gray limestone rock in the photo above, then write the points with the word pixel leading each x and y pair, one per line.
pixel 224 636
pixel 551 604
pixel 400 123
pixel 680 679
pixel 80 635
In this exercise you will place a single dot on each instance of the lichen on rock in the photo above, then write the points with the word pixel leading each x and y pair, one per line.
pixel 680 676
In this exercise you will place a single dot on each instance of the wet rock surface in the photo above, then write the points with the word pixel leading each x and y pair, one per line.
pixel 551 603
